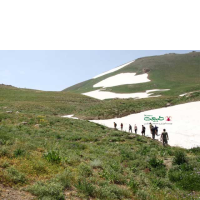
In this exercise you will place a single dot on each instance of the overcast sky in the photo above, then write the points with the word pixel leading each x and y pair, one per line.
pixel 57 70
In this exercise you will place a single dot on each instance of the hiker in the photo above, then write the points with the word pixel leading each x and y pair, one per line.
pixel 122 126
pixel 130 128
pixel 156 130
pixel 143 130
pixel 164 137
pixel 135 127
pixel 115 125
pixel 150 126
pixel 153 132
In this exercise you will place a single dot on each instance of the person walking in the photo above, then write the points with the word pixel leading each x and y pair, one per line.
pixel 115 126
pixel 156 130
pixel 150 126
pixel 130 128
pixel 135 127
pixel 153 132
pixel 143 130
pixel 164 137
pixel 122 126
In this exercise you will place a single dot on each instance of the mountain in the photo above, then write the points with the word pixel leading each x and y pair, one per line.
pixel 166 75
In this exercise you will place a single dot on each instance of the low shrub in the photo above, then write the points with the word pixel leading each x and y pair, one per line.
pixel 195 150
pixel 84 170
pixel 110 192
pixel 161 183
pixel 179 158
pixel 160 172
pixel 96 164
pixel 85 187
pixel 52 156
pixel 142 195
pixel 15 176
pixel 5 164
pixel 115 177
pixel 144 150
pixel 2 142
pixel 65 179
pixel 39 167
pixel 19 152
pixel 185 177
pixel 4 152
pixel 155 163
pixel 190 181
pixel 51 190
pixel 77 146
pixel 133 185
pixel 127 154
pixel 174 175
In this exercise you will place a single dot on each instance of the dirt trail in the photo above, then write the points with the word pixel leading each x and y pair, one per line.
pixel 8 193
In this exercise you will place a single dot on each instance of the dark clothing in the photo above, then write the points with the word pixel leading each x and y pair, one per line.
pixel 143 130
pixel 115 125
pixel 122 127
pixel 164 137
pixel 135 131
pixel 156 130
pixel 153 132
pixel 130 128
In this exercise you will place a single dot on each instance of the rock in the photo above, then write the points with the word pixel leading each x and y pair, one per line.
pixel 37 125
pixel 188 95
pixel 168 104
pixel 24 123
pixel 9 111
pixel 17 112
pixel 146 70
pixel 147 170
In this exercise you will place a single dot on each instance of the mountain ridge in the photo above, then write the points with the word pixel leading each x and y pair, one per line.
pixel 178 72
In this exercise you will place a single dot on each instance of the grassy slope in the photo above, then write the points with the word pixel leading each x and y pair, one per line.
pixel 178 72
pixel 63 103
pixel 34 101
pixel 82 158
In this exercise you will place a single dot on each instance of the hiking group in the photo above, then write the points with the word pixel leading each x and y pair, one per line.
pixel 154 131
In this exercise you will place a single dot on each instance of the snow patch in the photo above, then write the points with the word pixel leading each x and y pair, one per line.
pixel 101 95
pixel 182 95
pixel 70 116
pixel 112 70
pixel 123 79
pixel 183 130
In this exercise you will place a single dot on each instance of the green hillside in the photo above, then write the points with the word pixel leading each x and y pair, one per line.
pixel 66 103
pixel 178 72
pixel 54 158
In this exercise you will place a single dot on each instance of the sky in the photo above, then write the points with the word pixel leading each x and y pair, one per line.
pixel 57 70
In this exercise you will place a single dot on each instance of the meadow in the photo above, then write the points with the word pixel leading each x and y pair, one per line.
pixel 55 158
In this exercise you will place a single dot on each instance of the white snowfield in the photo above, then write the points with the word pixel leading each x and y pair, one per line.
pixel 113 70
pixel 123 79
pixel 183 130
pixel 101 95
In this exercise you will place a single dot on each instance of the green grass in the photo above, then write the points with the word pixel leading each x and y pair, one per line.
pixel 65 103
pixel 84 158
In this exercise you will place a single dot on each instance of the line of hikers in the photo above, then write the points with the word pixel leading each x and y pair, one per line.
pixel 154 131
